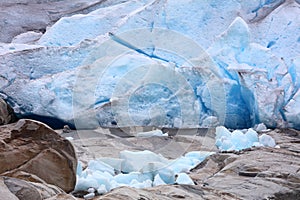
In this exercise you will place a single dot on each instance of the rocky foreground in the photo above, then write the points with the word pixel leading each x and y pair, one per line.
pixel 258 173
pixel 37 162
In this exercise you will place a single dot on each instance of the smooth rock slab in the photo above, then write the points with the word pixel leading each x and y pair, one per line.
pixel 32 151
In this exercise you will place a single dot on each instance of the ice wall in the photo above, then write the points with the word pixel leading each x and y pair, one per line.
pixel 245 71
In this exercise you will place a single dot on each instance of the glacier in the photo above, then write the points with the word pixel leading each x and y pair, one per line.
pixel 161 63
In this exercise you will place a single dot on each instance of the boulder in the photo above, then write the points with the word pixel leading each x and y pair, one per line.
pixel 32 151
pixel 6 113
pixel 13 188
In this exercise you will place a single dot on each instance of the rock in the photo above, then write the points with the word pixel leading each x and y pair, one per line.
pixel 271 172
pixel 25 190
pixel 15 15
pixel 90 145
pixel 32 151
pixel 29 37
pixel 62 197
pixel 164 192
pixel 5 192
pixel 6 113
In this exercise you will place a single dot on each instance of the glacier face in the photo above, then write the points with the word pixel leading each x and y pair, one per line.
pixel 197 63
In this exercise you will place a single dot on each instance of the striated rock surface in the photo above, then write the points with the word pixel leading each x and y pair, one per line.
pixel 32 151
pixel 6 113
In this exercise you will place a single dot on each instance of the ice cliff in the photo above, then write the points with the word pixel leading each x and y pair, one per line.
pixel 164 63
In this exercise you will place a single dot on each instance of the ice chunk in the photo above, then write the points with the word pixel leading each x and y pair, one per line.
pixel 79 168
pixel 155 170
pixel 135 161
pixel 260 127
pixel 152 133
pixel 221 131
pixel 183 178
pixel 136 184
pixel 226 144
pixel 69 138
pixel 267 140
pixel 158 181
pixel 103 178
pixel 189 161
pixel 100 166
pixel 83 183
pixel 239 140
pixel 127 178
pixel 116 163
pixel 167 175
pixel 182 164
pixel 257 144
pixel 198 155
pixel 101 189
pixel 91 190
pixel 251 135
pixel 89 196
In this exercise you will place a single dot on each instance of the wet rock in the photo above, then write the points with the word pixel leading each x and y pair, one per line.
pixel 32 151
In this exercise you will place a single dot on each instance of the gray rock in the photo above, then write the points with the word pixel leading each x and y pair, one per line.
pixel 25 190
pixel 5 192
pixel 29 37
pixel 21 16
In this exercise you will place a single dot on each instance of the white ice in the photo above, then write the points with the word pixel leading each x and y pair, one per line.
pixel 183 178
pixel 237 140
pixel 139 170
pixel 153 133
